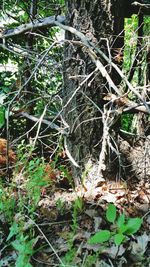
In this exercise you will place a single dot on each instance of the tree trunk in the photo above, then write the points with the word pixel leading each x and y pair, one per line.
pixel 83 113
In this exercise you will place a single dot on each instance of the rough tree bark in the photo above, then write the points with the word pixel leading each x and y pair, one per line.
pixel 98 21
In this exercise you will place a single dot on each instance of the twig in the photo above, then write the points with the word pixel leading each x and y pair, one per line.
pixel 50 245
pixel 39 126
pixel 146 214
pixel 69 154
pixel 101 164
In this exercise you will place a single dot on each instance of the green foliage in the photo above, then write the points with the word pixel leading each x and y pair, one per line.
pixel 22 243
pixel 25 251
pixel 19 200
pixel 100 237
pixel 36 175
pixel 24 151
pixel 131 47
pixel 18 207
pixel 131 25
pixel 91 260
pixel 146 26
pixel 119 238
pixel 77 208
pixel 111 213
pixel 71 252
pixel 60 206
pixel 6 79
pixel 126 122
pixel 48 77
pixel 69 257
pixel 123 227
pixel 7 203
pixel 18 228
pixel 131 227
pixel 2 116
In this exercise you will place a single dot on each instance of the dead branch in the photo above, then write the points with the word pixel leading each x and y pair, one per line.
pixel 102 156
pixel 50 124
pixel 135 3
pixel 38 23
pixel 127 104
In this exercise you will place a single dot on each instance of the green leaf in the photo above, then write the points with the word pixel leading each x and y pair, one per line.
pixel 23 261
pixel 2 116
pixel 111 213
pixel 18 246
pixel 133 225
pixel 13 231
pixel 78 203
pixel 5 89
pixel 118 239
pixel 100 237
pixel 121 220
pixel 122 229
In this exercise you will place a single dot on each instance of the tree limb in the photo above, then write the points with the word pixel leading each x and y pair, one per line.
pixel 38 23
pixel 146 5
pixel 50 124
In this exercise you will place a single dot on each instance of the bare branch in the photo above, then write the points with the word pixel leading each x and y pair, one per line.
pixel 38 23
pixel 140 4
pixel 50 124
pixel 127 104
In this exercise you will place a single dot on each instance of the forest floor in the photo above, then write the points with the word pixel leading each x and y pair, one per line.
pixel 51 224
pixel 70 217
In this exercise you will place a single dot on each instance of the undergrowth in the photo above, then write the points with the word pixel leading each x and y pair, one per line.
pixel 19 203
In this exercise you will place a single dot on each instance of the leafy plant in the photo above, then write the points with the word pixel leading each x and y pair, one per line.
pixel 69 257
pixel 25 251
pixel 60 206
pixel 122 226
pixel 19 237
pixel 77 208
pixel 7 204
pixel 22 242
pixel 72 251
pixel 2 109
pixel 36 175
pixel 91 260
pixel 14 203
